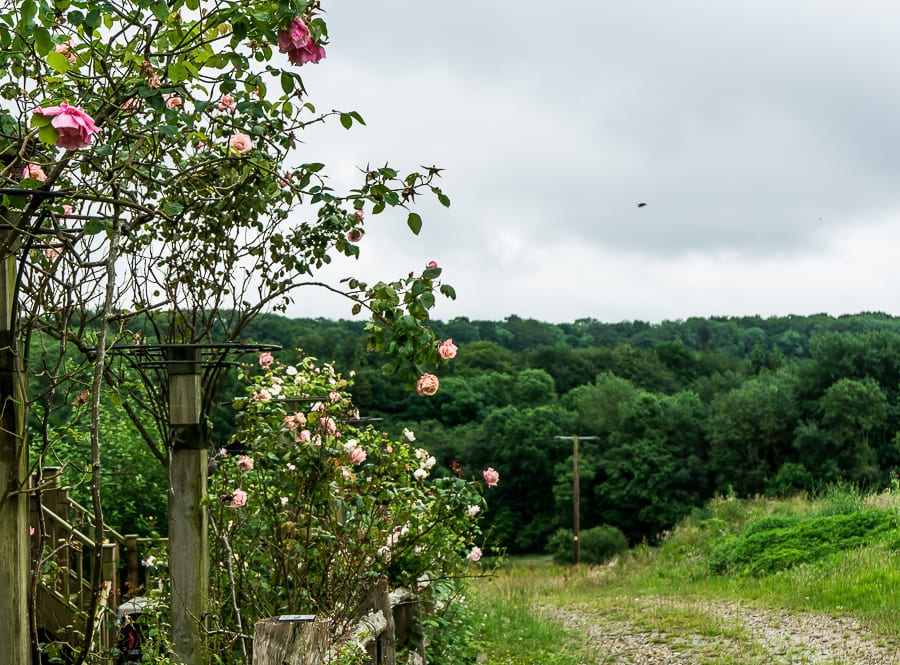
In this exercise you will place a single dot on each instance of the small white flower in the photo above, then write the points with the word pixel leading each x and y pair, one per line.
pixel 284 501
pixel 428 462
pixel 420 474
pixel 290 370
pixel 409 434
pixel 350 444
pixel 473 510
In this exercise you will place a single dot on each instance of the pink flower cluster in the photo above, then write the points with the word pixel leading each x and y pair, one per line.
pixel 239 144
pixel 74 126
pixel 427 385
pixel 245 463
pixel 34 171
pixel 239 499
pixel 265 360
pixel 296 41
pixel 357 456
pixel 447 349
pixel 491 476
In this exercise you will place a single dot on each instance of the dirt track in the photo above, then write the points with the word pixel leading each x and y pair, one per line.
pixel 721 633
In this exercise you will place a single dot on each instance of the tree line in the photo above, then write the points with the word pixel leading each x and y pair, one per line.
pixel 670 413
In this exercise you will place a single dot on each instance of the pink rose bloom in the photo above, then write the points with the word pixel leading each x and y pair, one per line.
pixel 74 126
pixel 334 396
pixel 447 349
pixel 266 359
pixel 474 554
pixel 34 171
pixel 227 103
pixel 389 449
pixel 66 49
pixel 360 214
pixel 303 436
pixel 67 210
pixel 357 456
pixel 329 425
pixel 239 499
pixel 245 463
pixel 294 421
pixel 239 144
pixel 355 235
pixel 317 407
pixel 298 44
pixel 31 531
pixel 51 253
pixel 173 101
pixel 431 264
pixel 427 385
pixel 491 477
pixel 262 395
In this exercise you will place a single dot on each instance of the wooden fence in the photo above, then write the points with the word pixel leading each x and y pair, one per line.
pixel 389 623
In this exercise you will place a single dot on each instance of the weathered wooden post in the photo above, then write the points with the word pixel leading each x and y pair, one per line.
pixel 188 520
pixel 290 640
pixel 14 554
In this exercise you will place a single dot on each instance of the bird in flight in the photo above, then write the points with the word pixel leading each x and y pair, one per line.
pixel 641 204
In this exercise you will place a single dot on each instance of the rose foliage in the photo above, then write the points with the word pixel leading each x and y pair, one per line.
pixel 328 506
pixel 175 127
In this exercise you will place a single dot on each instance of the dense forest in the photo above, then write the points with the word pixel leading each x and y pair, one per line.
pixel 668 414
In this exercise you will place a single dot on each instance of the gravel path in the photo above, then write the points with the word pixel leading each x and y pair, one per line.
pixel 721 632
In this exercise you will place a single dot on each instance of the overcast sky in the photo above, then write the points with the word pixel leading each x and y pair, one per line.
pixel 763 135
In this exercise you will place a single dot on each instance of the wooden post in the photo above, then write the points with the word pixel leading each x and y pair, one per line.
pixel 290 640
pixel 388 642
pixel 132 571
pixel 14 538
pixel 188 520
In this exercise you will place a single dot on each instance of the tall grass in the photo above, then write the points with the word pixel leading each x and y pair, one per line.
pixel 862 582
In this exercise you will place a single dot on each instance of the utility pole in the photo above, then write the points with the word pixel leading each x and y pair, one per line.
pixel 576 494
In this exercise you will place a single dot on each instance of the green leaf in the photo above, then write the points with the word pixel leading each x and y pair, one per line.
pixel 38 120
pixel 177 72
pixel 431 273
pixel 27 12
pixel 444 199
pixel 58 62
pixel 75 18
pixel 160 11
pixel 357 117
pixel 171 208
pixel 94 226
pixel 448 291
pixel 346 120
pixel 43 42
pixel 287 83
pixel 93 18
pixel 48 135
pixel 414 222
pixel 427 300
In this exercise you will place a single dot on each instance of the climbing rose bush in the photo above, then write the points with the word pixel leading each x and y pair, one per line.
pixel 331 504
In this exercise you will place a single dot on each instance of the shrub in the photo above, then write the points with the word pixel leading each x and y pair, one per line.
pixel 598 544
pixel 779 543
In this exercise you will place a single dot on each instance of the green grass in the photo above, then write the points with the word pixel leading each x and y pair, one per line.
pixel 853 571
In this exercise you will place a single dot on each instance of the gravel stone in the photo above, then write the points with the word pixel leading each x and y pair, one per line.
pixel 786 637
